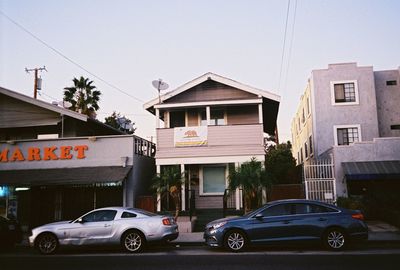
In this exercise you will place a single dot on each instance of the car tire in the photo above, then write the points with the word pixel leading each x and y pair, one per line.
pixel 133 241
pixel 335 239
pixel 47 243
pixel 235 240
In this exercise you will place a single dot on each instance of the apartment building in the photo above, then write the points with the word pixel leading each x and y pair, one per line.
pixel 349 114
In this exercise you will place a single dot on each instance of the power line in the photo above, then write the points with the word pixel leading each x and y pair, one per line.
pixel 290 46
pixel 284 45
pixel 67 58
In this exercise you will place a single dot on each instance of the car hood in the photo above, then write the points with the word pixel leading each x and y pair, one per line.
pixel 54 224
pixel 223 220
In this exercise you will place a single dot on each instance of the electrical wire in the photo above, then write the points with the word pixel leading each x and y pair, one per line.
pixel 67 58
pixel 290 47
pixel 284 45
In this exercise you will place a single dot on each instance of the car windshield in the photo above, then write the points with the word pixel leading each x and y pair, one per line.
pixel 143 212
pixel 252 213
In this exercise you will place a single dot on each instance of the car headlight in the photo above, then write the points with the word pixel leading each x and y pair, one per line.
pixel 214 227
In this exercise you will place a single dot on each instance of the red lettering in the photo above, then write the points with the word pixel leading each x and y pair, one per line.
pixel 33 153
pixel 4 155
pixel 49 153
pixel 17 155
pixel 81 151
pixel 65 152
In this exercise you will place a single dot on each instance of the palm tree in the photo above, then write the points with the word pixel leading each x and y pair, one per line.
pixel 169 182
pixel 82 96
pixel 251 177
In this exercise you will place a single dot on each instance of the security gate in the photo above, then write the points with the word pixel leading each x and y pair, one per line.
pixel 319 180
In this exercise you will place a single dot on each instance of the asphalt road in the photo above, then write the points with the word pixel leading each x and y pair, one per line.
pixel 205 259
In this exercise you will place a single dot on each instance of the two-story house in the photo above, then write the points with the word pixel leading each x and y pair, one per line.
pixel 209 124
pixel 349 114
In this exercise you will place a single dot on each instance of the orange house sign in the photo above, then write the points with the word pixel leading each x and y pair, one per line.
pixel 44 153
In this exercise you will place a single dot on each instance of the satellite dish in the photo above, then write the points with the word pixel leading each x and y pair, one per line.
pixel 65 104
pixel 160 85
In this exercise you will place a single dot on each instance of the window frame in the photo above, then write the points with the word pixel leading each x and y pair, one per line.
pixel 333 99
pixel 336 127
pixel 201 180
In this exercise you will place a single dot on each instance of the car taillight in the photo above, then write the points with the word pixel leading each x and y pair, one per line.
pixel 358 216
pixel 166 221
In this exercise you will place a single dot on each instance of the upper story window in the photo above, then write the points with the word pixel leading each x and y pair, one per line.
pixel 177 119
pixel 308 105
pixel 344 93
pixel 345 135
pixel 311 144
pixel 217 117
pixel 392 82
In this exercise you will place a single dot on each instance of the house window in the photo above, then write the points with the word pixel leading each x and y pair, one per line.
pixel 308 105
pixel 177 119
pixel 213 180
pixel 393 127
pixel 346 136
pixel 301 155
pixel 303 117
pixel 217 117
pixel 310 143
pixel 393 82
pixel 344 92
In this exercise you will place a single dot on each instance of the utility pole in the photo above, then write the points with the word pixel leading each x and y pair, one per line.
pixel 36 85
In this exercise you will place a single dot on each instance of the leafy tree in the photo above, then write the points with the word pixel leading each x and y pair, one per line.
pixel 251 177
pixel 120 122
pixel 83 96
pixel 281 165
pixel 169 182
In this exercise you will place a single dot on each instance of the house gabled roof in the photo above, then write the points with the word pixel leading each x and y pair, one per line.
pixel 217 78
pixel 43 104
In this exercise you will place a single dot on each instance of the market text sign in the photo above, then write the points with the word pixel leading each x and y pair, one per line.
pixel 190 136
pixel 43 153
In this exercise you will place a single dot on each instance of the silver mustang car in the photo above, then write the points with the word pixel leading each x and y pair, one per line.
pixel 129 227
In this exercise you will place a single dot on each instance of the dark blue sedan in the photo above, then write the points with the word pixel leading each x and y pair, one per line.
pixel 289 221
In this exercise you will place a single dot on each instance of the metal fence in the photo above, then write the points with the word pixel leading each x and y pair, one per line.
pixel 319 180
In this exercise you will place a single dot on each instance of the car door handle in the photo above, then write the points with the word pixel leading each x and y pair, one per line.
pixel 107 225
pixel 322 219
pixel 286 222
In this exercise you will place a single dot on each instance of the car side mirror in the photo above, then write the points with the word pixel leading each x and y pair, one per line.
pixel 80 220
pixel 259 216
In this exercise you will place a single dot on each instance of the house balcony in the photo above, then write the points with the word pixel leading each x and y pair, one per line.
pixel 222 141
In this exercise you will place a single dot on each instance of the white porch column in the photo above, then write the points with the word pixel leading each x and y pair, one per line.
pixel 157 118
pixel 237 193
pixel 260 114
pixel 166 120
pixel 183 197
pixel 208 115
pixel 158 170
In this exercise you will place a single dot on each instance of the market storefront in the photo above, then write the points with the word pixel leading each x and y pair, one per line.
pixel 59 179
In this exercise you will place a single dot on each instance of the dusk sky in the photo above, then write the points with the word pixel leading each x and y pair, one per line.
pixel 129 44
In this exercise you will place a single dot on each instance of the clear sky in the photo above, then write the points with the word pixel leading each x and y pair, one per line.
pixel 131 43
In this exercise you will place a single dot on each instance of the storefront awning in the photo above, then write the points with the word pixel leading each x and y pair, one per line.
pixel 64 176
pixel 372 170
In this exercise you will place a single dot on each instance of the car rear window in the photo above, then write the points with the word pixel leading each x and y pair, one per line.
pixel 128 215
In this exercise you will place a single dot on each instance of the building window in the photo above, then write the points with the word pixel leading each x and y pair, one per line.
pixel 308 106
pixel 393 82
pixel 344 93
pixel 393 127
pixel 347 135
pixel 176 119
pixel 217 117
pixel 301 155
pixel 311 145
pixel 213 180
pixel 303 117
pixel 305 150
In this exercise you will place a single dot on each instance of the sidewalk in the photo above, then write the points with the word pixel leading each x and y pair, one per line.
pixel 378 232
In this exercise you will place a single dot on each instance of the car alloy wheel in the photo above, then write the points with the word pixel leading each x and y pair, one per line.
pixel 235 240
pixel 335 239
pixel 47 244
pixel 133 241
